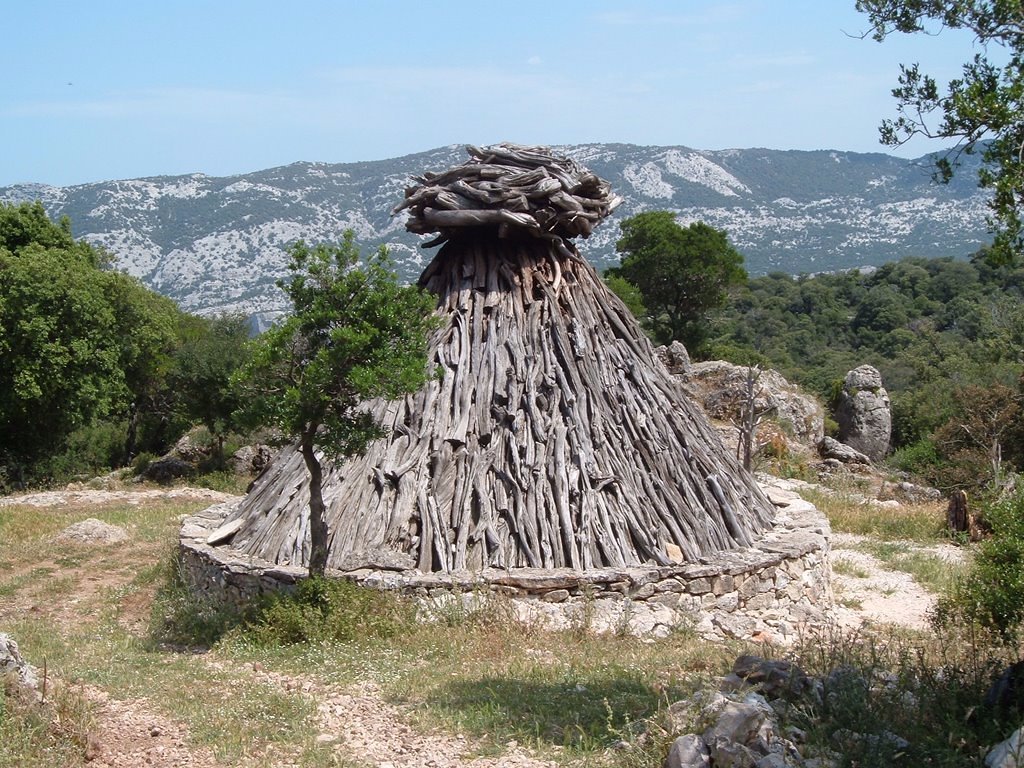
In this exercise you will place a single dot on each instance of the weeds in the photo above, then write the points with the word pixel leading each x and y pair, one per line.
pixel 328 610
pixel 43 734
pixel 891 699
pixel 992 592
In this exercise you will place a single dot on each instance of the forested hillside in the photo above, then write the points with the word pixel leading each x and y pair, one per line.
pixel 946 335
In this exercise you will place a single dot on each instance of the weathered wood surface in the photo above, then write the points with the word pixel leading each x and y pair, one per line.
pixel 512 188
pixel 548 437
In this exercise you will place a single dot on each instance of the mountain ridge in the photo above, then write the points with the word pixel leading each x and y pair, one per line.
pixel 218 243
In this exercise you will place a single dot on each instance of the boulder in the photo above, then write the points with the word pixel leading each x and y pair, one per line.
pixel 251 459
pixel 190 450
pixel 689 751
pixel 93 531
pixel 11 664
pixel 720 387
pixel 675 358
pixel 775 679
pixel 1009 753
pixel 167 469
pixel 832 449
pixel 864 413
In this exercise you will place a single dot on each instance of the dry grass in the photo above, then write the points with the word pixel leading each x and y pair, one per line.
pixel 568 696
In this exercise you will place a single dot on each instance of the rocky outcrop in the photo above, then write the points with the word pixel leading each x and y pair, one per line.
pixel 93 531
pixel 23 674
pixel 720 387
pixel 741 724
pixel 864 413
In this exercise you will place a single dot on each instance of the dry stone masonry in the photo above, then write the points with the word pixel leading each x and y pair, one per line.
pixel 765 592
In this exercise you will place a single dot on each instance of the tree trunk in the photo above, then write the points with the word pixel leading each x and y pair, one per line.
pixel 318 532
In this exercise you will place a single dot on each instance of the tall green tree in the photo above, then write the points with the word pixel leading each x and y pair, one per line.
pixel 682 273
pixel 353 334
pixel 982 109
pixel 75 338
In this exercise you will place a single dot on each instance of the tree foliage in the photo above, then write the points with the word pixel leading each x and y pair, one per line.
pixel 76 340
pixel 353 334
pixel 681 273
pixel 946 335
pixel 210 351
pixel 980 110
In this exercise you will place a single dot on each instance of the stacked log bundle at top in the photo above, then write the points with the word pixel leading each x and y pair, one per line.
pixel 511 187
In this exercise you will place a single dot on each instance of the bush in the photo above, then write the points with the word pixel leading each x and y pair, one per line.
pixel 329 610
pixel 88 451
pixel 920 458
pixel 992 592
pixel 141 462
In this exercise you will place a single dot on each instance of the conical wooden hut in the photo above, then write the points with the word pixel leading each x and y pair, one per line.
pixel 549 436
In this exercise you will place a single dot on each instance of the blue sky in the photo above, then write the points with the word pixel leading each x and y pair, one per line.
pixel 104 90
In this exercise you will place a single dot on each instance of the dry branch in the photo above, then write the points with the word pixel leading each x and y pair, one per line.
pixel 520 188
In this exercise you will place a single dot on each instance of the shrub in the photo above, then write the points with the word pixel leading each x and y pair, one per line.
pixel 141 462
pixel 992 592
pixel 88 450
pixel 323 609
pixel 920 458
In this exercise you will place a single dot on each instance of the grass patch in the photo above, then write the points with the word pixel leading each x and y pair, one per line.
pixel 846 568
pixel 924 523
pixel 928 569
pixel 48 734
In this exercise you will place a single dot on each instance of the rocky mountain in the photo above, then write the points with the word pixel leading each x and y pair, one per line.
pixel 217 244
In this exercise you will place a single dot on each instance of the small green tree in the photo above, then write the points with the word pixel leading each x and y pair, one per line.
pixel 354 334
pixel 681 272
pixel 211 350
pixel 981 109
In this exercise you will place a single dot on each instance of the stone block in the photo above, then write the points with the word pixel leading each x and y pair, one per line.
pixel 721 585
pixel 555 596
pixel 643 592
pixel 668 599
pixel 699 586
pixel 669 585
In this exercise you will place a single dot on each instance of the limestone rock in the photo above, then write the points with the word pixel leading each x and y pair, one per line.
pixel 775 679
pixel 1009 753
pixel 721 386
pixel 251 459
pixel 167 469
pixel 830 448
pixel 11 663
pixel 864 413
pixel 675 358
pixel 190 450
pixel 689 751
pixel 93 531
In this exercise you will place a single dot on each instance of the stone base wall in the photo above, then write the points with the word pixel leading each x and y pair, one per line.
pixel 761 593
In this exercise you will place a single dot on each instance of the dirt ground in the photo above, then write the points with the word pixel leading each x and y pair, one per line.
pixel 359 725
